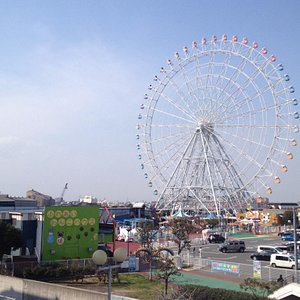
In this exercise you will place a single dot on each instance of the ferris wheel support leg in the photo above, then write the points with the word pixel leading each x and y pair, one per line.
pixel 209 173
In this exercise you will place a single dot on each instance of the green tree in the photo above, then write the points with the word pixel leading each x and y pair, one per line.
pixel 181 228
pixel 166 268
pixel 145 231
pixel 287 218
pixel 10 238
pixel 212 222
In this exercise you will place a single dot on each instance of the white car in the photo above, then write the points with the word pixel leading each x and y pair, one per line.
pixel 283 260
pixel 273 249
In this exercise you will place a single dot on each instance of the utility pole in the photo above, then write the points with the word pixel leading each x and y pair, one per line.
pixel 295 245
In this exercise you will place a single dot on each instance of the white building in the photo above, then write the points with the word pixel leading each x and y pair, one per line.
pixel 88 199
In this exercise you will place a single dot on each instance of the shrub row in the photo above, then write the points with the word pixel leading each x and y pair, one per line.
pixel 207 293
pixel 54 272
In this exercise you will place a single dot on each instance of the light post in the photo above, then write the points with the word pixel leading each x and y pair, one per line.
pixel 295 244
pixel 100 259
pixel 128 233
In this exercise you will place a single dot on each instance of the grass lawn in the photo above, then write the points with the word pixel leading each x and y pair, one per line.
pixel 131 285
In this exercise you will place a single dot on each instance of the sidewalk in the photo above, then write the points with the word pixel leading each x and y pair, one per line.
pixel 246 235
pixel 210 279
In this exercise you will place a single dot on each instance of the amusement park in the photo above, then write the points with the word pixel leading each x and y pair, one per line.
pixel 215 134
pixel 205 202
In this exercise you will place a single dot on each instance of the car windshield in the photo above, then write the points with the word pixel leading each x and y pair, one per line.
pixel 279 249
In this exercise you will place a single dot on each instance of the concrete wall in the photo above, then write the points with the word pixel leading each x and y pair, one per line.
pixel 24 289
pixel 11 287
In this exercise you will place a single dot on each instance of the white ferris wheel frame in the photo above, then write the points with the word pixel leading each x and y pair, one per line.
pixel 221 111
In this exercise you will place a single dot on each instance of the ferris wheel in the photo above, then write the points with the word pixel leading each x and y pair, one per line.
pixel 216 129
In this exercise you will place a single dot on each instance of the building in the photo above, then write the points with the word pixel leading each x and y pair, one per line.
pixel 88 199
pixel 41 199
pixel 8 203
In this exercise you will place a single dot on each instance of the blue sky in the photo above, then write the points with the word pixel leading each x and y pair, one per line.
pixel 73 74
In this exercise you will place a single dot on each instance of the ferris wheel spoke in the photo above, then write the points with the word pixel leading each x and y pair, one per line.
pixel 241 152
pixel 168 137
pixel 251 112
pixel 174 157
pixel 245 85
pixel 171 125
pixel 172 115
pixel 233 77
pixel 182 97
pixel 244 139
pixel 250 79
pixel 173 103
pixel 187 81
pixel 199 76
pixel 169 148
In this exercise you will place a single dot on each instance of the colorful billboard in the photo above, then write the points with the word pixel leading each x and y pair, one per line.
pixel 257 269
pixel 70 232
pixel 225 267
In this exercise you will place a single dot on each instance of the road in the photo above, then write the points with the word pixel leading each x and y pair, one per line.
pixel 210 251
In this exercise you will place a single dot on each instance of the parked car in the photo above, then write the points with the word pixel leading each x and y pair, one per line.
pixel 281 233
pixel 232 246
pixel 283 260
pixel 263 255
pixel 216 238
pixel 291 246
pixel 289 236
pixel 273 249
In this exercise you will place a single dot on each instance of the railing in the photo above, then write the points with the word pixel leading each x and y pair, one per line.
pixel 59 268
pixel 244 270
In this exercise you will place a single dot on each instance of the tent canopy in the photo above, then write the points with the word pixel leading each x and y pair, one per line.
pixel 180 214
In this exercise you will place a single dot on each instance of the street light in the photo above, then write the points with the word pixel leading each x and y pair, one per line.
pixel 295 244
pixel 100 259
pixel 128 231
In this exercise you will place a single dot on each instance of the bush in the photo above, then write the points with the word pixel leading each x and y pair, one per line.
pixel 56 272
pixel 206 293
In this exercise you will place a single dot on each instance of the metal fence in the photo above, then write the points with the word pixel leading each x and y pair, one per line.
pixel 266 273
pixel 59 269
pixel 19 268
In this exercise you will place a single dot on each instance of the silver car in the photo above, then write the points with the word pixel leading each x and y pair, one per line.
pixel 232 246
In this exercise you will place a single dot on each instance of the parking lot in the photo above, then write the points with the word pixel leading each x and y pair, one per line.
pixel 210 251
pixel 210 255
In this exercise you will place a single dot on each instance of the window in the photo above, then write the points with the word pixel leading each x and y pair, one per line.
pixel 283 258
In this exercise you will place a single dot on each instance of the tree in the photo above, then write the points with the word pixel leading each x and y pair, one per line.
pixel 145 231
pixel 181 228
pixel 258 288
pixel 10 238
pixel 287 218
pixel 212 222
pixel 166 268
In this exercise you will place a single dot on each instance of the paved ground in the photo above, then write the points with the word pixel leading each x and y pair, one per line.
pixel 206 278
pixel 212 280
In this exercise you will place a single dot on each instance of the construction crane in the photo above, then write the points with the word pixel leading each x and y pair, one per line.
pixel 63 192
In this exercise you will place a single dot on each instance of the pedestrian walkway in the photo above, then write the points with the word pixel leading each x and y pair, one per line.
pixel 247 235
pixel 204 280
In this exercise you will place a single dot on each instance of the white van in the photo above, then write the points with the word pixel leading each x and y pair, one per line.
pixel 273 249
pixel 283 260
